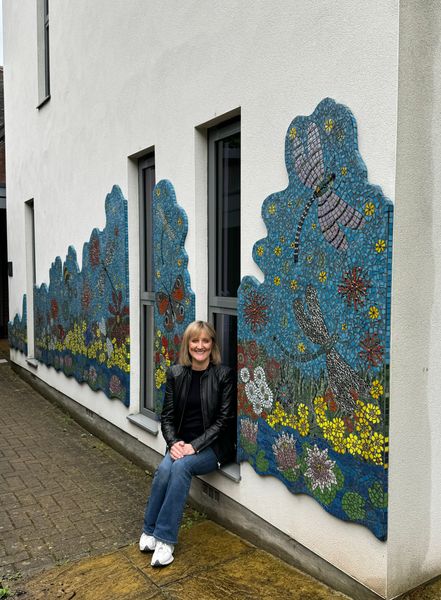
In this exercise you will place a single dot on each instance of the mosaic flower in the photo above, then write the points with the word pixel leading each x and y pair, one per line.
pixel 354 287
pixel 276 280
pixel 278 251
pixel 118 324
pixel 245 375
pixel 259 250
pixel 258 392
pixel 329 125
pixel 344 326
pixel 272 209
pixel 94 251
pixel 371 349
pixel 292 133
pixel 380 246
pixel 344 171
pixel 369 209
pixel 374 313
pixel 372 412
pixel 322 276
pixel 248 429
pixel 255 311
pixel 376 389
pixel 293 284
pixel 301 347
pixel 284 449
pixel 320 469
pixel 352 444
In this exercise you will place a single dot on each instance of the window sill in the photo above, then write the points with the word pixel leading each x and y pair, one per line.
pixel 232 471
pixel 144 422
pixel 32 362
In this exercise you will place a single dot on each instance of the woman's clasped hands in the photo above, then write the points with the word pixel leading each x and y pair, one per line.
pixel 181 449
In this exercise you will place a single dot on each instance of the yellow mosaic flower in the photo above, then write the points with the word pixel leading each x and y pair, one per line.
pixel 302 410
pixel 344 171
pixel 320 404
pixel 158 274
pixel 344 327
pixel 301 347
pixel 363 428
pixel 292 133
pixel 323 276
pixel 374 313
pixel 329 125
pixel 372 412
pixel 277 250
pixel 276 280
pixel 289 203
pixel 369 209
pixel 282 239
pixel 309 258
pixel 180 221
pixel 158 192
pixel 339 445
pixel 338 428
pixel 179 261
pixel 293 284
pixel 303 427
pixel 376 389
pixel 380 246
pixel 352 444
pixel 272 209
pixel 259 250
pixel 160 377
pixel 292 245
pixel 314 226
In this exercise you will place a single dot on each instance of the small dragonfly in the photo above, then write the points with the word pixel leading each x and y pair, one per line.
pixel 333 211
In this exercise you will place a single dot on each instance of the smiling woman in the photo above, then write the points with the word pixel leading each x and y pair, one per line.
pixel 198 422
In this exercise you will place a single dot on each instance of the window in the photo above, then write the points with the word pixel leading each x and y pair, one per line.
pixel 44 91
pixel 146 171
pixel 30 273
pixel 224 234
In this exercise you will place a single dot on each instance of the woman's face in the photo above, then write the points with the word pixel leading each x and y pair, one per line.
pixel 199 348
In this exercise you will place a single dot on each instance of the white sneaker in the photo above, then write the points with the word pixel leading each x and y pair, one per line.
pixel 147 543
pixel 163 554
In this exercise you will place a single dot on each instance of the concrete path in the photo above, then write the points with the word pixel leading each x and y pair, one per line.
pixel 70 516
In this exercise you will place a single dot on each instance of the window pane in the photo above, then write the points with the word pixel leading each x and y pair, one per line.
pixel 226 330
pixel 228 216
pixel 147 357
pixel 148 183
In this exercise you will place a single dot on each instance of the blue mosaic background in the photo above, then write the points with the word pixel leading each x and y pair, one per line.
pixel 18 330
pixel 313 352
pixel 174 299
pixel 82 318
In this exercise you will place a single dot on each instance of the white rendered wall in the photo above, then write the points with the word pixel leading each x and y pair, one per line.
pixel 414 547
pixel 126 76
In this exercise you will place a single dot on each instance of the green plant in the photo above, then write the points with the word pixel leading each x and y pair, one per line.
pixel 4 592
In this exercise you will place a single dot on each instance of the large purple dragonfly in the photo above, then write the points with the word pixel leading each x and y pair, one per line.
pixel 332 210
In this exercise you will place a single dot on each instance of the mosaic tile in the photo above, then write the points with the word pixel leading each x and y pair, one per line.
pixel 82 318
pixel 313 349
pixel 18 331
pixel 174 299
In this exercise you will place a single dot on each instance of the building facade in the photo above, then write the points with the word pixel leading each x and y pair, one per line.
pixel 269 167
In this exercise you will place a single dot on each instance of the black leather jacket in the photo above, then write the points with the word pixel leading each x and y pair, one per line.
pixel 218 403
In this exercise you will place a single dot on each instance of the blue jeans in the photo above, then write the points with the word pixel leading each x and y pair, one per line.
pixel 170 487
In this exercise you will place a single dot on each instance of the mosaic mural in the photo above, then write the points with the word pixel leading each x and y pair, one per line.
pixel 82 318
pixel 313 353
pixel 174 299
pixel 18 330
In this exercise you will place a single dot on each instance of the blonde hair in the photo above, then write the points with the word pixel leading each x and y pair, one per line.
pixel 194 330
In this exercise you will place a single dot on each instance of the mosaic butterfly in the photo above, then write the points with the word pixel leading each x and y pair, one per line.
pixel 170 304
pixel 332 210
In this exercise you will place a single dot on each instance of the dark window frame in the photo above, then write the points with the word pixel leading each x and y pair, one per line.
pixel 146 177
pixel 218 304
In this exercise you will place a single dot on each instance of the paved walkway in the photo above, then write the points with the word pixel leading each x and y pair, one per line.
pixel 70 517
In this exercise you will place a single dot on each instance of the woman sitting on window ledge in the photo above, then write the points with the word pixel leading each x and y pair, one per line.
pixel 198 422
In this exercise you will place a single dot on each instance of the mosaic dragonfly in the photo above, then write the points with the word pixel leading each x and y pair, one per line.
pixel 333 211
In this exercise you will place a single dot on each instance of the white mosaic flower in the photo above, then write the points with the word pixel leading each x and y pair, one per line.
pixel 267 396
pixel 320 469
pixel 109 347
pixel 102 326
pixel 259 375
pixel 250 391
pixel 245 375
